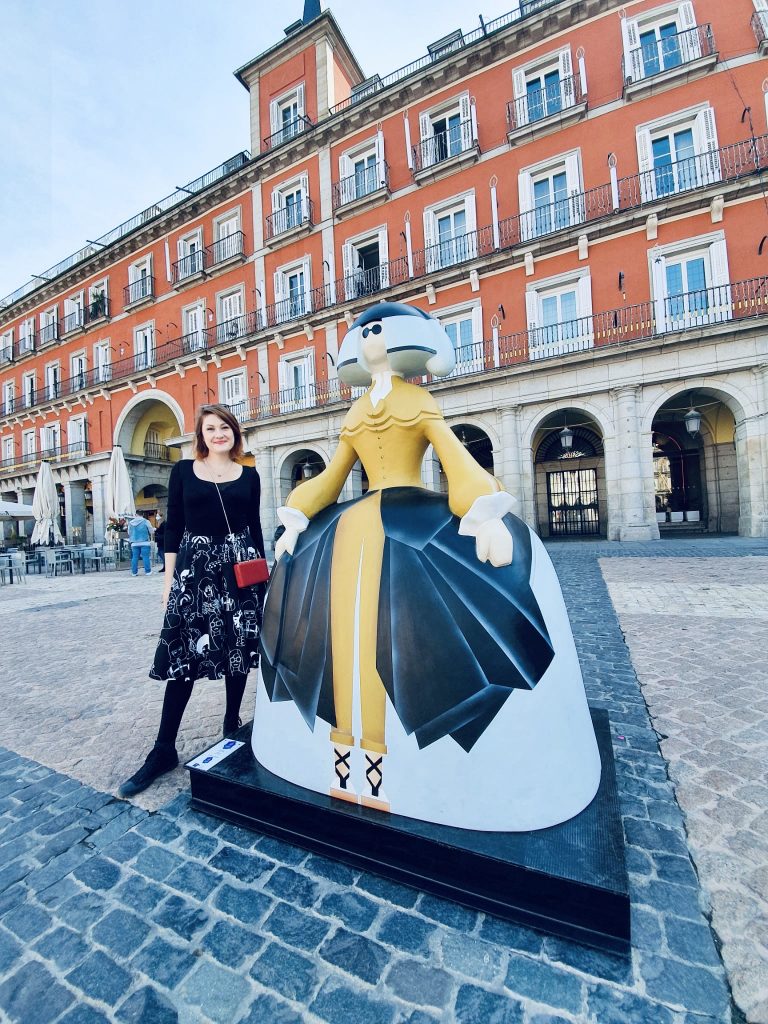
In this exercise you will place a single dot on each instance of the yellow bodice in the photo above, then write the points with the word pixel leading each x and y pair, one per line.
pixel 390 440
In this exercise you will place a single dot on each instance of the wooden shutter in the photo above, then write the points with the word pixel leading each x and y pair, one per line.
pixel 645 165
pixel 525 192
pixel 584 308
pixel 520 97
pixel 278 280
pixel 427 147
pixel 565 67
pixel 576 213
pixel 431 260
pixel 720 277
pixel 630 37
pixel 383 258
pixel 465 113
pixel 380 156
pixel 659 283
pixel 690 43
pixel 348 265
pixel 470 216
pixel 300 100
pixel 708 146
pixel 307 285
pixel 532 317
pixel 274 118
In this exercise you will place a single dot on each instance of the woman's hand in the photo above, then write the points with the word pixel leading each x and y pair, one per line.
pixel 493 543
pixel 166 593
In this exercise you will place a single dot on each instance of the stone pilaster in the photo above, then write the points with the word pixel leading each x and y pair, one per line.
pixel 636 518
pixel 74 510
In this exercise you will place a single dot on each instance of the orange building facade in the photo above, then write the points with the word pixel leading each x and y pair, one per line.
pixel 575 191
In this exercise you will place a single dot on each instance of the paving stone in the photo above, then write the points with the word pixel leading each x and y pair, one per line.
pixel 679 900
pixel 452 914
pixel 60 843
pixel 472 957
pixel 247 867
pixel 99 977
pixel 608 1005
pixel 98 873
pixel 12 897
pixel 691 941
pixel 62 946
pixel 543 983
pixel 198 844
pixel 266 1009
pixel 333 870
pixel 355 910
pixel 417 983
pixel 139 894
pixel 194 880
pixel 338 1004
pixel 293 887
pixel 392 892
pixel 159 828
pixel 82 910
pixel 356 955
pixel 646 930
pixel 477 1006
pixel 125 848
pixel 295 927
pixel 246 905
pixel 164 962
pixel 230 944
pixel 285 853
pixel 157 863
pixel 406 932
pixel 122 933
pixel 217 991
pixel 84 1014
pixel 27 921
pixel 609 966
pixel 289 973
pixel 31 994
pixel 10 951
pixel 683 986
pixel 181 917
pixel 147 1006
pixel 237 836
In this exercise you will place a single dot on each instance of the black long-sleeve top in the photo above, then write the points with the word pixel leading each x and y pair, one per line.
pixel 194 505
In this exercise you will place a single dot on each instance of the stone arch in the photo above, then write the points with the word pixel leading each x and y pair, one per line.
pixel 134 410
pixel 311 454
pixel 729 394
pixel 536 417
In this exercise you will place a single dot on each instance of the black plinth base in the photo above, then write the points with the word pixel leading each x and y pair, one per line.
pixel 568 880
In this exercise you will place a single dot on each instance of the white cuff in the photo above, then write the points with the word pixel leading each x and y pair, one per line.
pixel 484 508
pixel 292 518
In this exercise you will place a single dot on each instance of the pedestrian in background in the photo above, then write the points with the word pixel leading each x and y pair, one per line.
pixel 140 538
pixel 211 627
pixel 160 541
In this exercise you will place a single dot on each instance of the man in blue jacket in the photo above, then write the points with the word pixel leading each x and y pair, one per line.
pixel 140 537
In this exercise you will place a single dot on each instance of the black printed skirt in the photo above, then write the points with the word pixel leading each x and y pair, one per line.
pixel 211 627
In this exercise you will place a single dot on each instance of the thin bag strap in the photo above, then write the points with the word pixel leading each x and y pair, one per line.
pixel 223 509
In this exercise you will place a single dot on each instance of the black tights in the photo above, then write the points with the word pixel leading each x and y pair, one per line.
pixel 177 694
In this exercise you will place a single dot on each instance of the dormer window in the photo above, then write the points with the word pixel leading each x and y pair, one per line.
pixel 291 207
pixel 286 117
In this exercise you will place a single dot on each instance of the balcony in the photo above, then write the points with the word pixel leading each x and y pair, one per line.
pixel 291 222
pixel 367 187
pixel 30 461
pixel 681 56
pixel 27 343
pixel 369 281
pixel 6 354
pixel 287 133
pixel 189 268
pixel 760 28
pixel 48 334
pixel 230 249
pixel 237 327
pixel 452 250
pixel 544 110
pixel 293 307
pixel 159 452
pixel 445 151
pixel 140 292
pixel 73 322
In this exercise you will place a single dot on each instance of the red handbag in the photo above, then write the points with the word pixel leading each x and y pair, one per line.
pixel 248 574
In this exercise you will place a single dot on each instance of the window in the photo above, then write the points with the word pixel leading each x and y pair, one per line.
pixel 28 388
pixel 678 153
pixel 6 346
pixel 365 264
pixel 296 374
pixel 231 322
pixel 9 395
pixel 194 327
pixel 74 313
pixel 551 197
pixel 8 450
pixel 290 206
pixel 52 381
pixel 465 329
pixel 445 132
pixel 28 443
pixel 141 284
pixel 690 284
pixel 659 41
pixel 76 434
pixel 544 88
pixel 292 291
pixel 102 362
pixel 361 171
pixel 286 116
pixel 97 300
pixel 450 233
pixel 78 369
pixel 50 438
pixel 228 238
pixel 191 256
pixel 49 325
pixel 27 336
pixel 143 348
pixel 232 392
pixel 559 313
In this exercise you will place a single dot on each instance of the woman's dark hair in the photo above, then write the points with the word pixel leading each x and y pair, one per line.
pixel 224 413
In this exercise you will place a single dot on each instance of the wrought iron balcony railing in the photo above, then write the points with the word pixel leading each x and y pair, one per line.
pixel 295 215
pixel 152 450
pixel 539 104
pixel 189 266
pixel 668 52
pixel 29 461
pixel 442 145
pixel 760 27
pixel 48 333
pixel 136 291
pixel 362 183
pixel 234 328
pixel 226 248
pixel 289 131
pixel 74 321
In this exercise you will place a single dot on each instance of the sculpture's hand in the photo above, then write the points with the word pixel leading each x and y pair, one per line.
pixel 493 543
pixel 287 542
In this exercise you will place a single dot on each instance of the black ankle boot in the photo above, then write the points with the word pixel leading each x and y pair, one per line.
pixel 231 724
pixel 162 758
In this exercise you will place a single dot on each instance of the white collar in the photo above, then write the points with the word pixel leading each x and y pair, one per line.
pixel 382 385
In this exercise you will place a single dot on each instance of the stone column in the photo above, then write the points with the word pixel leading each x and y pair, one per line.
pixel 430 470
pixel 757 460
pixel 636 521
pixel 506 461
pixel 99 492
pixel 74 509
pixel 265 465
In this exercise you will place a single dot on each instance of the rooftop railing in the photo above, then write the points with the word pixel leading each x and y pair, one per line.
pixel 668 52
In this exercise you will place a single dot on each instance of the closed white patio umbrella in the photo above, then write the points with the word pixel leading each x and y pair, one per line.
pixel 15 510
pixel 119 497
pixel 45 505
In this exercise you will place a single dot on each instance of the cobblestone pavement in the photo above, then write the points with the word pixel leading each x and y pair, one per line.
pixel 699 643
pixel 147 911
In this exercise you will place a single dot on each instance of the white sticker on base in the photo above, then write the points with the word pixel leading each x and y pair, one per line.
pixel 203 762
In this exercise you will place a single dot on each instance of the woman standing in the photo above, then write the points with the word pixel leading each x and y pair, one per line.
pixel 211 627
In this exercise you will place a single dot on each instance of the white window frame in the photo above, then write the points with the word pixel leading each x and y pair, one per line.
pixel 75 370
pixel 284 310
pixel 712 247
pixel 472 361
pixel 279 133
pixel 28 384
pixel 28 442
pixel 53 388
pixel 226 228
pixel 560 61
pixel 706 162
pixel 95 289
pixel 193 326
pixel 135 276
pixel 233 391
pixel 9 396
pixel 544 342
pixel 50 436
pixel 27 332
pixel 291 398
pixel 102 361
pixel 280 220
pixel 77 431
pixel 190 253
pixel 431 152
pixel 348 179
pixel 74 306
pixel 532 223
pixel 6 345
pixel 9 449
pixel 682 14
pixel 49 318
pixel 439 255
pixel 355 284
pixel 230 314
pixel 144 346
